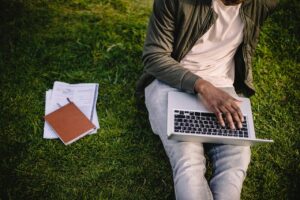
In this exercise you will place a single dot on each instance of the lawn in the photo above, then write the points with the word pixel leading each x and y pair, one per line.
pixel 101 41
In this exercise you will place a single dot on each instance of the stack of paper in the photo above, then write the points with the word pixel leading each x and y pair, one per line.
pixel 84 95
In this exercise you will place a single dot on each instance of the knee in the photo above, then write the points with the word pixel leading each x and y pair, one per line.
pixel 232 157
pixel 241 158
pixel 187 159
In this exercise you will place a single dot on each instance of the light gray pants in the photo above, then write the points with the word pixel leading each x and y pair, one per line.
pixel 187 158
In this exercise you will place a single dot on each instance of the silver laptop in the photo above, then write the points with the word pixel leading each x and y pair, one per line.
pixel 189 120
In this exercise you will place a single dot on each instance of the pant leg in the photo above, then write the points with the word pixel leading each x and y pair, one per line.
pixel 186 158
pixel 230 164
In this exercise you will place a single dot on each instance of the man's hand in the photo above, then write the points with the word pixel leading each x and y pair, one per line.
pixel 222 104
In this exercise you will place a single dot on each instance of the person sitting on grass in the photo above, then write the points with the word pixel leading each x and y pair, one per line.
pixel 200 46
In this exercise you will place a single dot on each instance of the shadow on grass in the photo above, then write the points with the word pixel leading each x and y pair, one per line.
pixel 17 18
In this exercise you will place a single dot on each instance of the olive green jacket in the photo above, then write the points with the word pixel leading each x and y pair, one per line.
pixel 174 28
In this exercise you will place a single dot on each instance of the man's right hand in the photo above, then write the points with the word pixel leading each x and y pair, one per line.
pixel 222 104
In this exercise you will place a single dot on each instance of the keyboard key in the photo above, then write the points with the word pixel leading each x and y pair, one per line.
pixel 206 114
pixel 179 116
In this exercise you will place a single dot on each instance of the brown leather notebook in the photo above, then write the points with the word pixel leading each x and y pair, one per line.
pixel 69 123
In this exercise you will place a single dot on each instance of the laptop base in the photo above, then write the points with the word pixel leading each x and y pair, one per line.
pixel 217 140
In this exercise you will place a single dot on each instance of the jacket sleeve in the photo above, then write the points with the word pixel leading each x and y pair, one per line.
pixel 158 48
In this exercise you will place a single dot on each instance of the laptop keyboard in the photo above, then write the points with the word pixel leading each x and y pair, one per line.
pixel 193 122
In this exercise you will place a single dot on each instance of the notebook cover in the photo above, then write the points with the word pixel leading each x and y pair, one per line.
pixel 69 123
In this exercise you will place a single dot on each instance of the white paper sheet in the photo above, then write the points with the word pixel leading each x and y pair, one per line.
pixel 83 95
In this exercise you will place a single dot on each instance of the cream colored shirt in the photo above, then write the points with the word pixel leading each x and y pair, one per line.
pixel 211 57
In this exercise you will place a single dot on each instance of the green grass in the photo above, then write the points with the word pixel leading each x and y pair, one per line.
pixel 101 41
